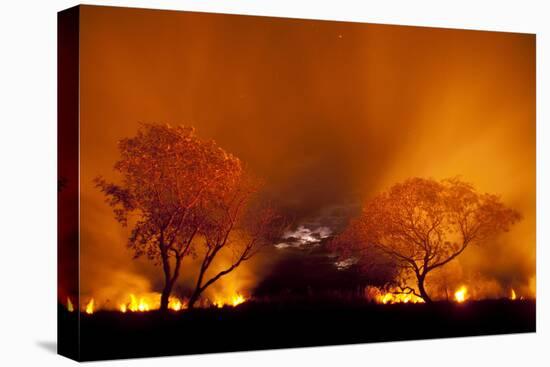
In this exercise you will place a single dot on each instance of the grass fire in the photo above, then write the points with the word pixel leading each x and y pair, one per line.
pixel 151 302
pixel 209 233
pixel 251 196
pixel 209 242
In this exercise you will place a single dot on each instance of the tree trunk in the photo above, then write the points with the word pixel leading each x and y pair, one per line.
pixel 164 298
pixel 198 287
pixel 422 290
pixel 168 283
pixel 193 299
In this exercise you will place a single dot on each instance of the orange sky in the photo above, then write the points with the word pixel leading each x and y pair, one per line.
pixel 327 113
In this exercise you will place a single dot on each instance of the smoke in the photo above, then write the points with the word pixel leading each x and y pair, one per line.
pixel 485 134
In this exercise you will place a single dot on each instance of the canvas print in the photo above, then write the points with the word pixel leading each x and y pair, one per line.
pixel 231 183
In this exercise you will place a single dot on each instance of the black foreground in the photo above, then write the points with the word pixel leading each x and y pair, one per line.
pixel 254 326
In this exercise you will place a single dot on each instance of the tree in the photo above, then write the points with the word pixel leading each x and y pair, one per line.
pixel 422 224
pixel 172 186
pixel 234 228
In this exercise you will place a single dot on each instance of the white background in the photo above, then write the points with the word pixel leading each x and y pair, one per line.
pixel 28 182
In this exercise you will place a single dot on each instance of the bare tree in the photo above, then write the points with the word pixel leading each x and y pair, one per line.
pixel 423 224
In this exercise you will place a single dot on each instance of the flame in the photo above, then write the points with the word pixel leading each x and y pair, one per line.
pixel 390 297
pixel 90 307
pixel 150 302
pixel 175 304
pixel 461 294
pixel 70 306
pixel 233 300
pixel 142 305
pixel 237 299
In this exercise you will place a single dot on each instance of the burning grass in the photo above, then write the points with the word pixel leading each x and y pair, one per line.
pixel 392 296
pixel 150 301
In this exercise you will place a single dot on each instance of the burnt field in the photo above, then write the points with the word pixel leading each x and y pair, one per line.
pixel 256 326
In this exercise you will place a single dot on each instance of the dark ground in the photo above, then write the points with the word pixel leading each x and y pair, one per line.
pixel 111 335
